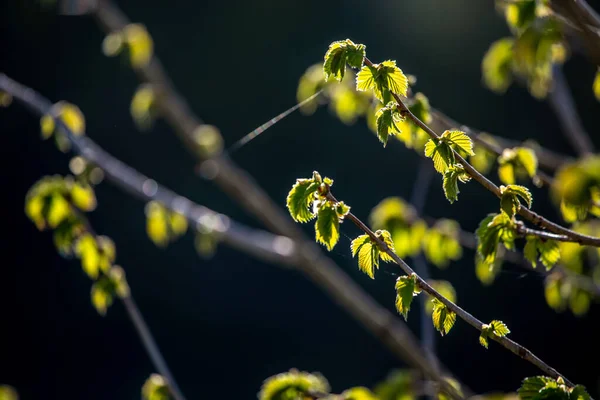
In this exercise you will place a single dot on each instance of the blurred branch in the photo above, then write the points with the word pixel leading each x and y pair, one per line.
pixel 564 106
pixel 137 319
pixel 582 18
pixel 380 322
pixel 418 199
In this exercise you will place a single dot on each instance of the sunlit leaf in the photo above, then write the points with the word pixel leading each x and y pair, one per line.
pixel 327 227
pixel 358 393
pixel 544 250
pixel 368 254
pixel 444 288
pixel 340 53
pixel 83 197
pixel 139 43
pixel 443 318
pixel 8 393
pixel 156 387
pixel 453 174
pixel 496 65
pixel 387 118
pixel 441 154
pixel 405 291
pixel 459 141
pixel 292 385
pixel 142 107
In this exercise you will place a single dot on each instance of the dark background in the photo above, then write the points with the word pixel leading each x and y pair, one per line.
pixel 226 324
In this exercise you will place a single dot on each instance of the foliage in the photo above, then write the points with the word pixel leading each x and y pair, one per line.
pixel 406 288
pixel 292 385
pixel 163 225
pixel 543 387
pixel 577 189
pixel 443 318
pixel 369 253
pixel 518 162
pixel 493 230
pixel 546 251
pixel 134 41
pixel 156 388
pixel 494 328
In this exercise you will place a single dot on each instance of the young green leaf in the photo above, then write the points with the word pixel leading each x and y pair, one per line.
pixel 382 78
pixel 405 291
pixel 495 228
pixel 546 251
pixel 368 254
pixel 300 198
pixel 443 318
pixel 496 65
pixel 497 328
pixel 340 53
pixel 509 201
pixel 459 141
pixel 293 385
pixel 386 119
pixel 453 174
pixel 444 288
pixel 518 161
pixel 327 227
pixel 386 237
pixel 441 154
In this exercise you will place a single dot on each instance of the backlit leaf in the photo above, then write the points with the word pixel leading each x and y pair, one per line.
pixel 386 119
pixel 292 385
pixel 453 174
pixel 459 141
pixel 441 154
pixel 405 291
pixel 443 318
pixel 368 254
pixel 300 198
pixel 327 227
pixel 156 387
pixel 496 65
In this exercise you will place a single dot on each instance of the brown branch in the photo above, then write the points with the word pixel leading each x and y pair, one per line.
pixel 380 322
pixel 526 213
pixel 507 343
pixel 241 187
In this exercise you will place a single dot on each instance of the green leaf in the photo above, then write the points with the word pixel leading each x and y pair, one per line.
pixel 386 119
pixel 596 86
pixel 579 393
pixel 530 250
pixel 365 78
pixel 368 254
pixel 459 141
pixel 405 291
pixel 386 237
pixel 358 393
pixel 518 161
pixel 341 209
pixel 293 385
pixel 340 53
pixel 382 78
pixel 443 318
pixel 483 338
pixel 441 154
pixel 520 191
pixel 327 227
pixel 496 65
pixel 486 273
pixel 499 328
pixel 444 288
pixel 548 251
pixel 531 387
pixel 393 77
pixel 300 198
pixel 509 200
pixel 453 174
pixel 156 388
pixel 8 393
pixel 495 228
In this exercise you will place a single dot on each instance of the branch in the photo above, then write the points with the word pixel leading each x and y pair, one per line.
pixel 326 274
pixel 241 187
pixel 138 321
pixel 509 344
pixel 258 243
pixel 546 158
pixel 526 213
pixel 562 102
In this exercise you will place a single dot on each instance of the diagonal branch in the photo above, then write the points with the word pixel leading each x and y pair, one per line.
pixel 507 343
pixel 526 213
pixel 326 274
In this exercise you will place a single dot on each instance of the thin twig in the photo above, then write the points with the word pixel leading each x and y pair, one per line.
pixel 507 343
pixel 526 213
pixel 139 324
pixel 326 274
